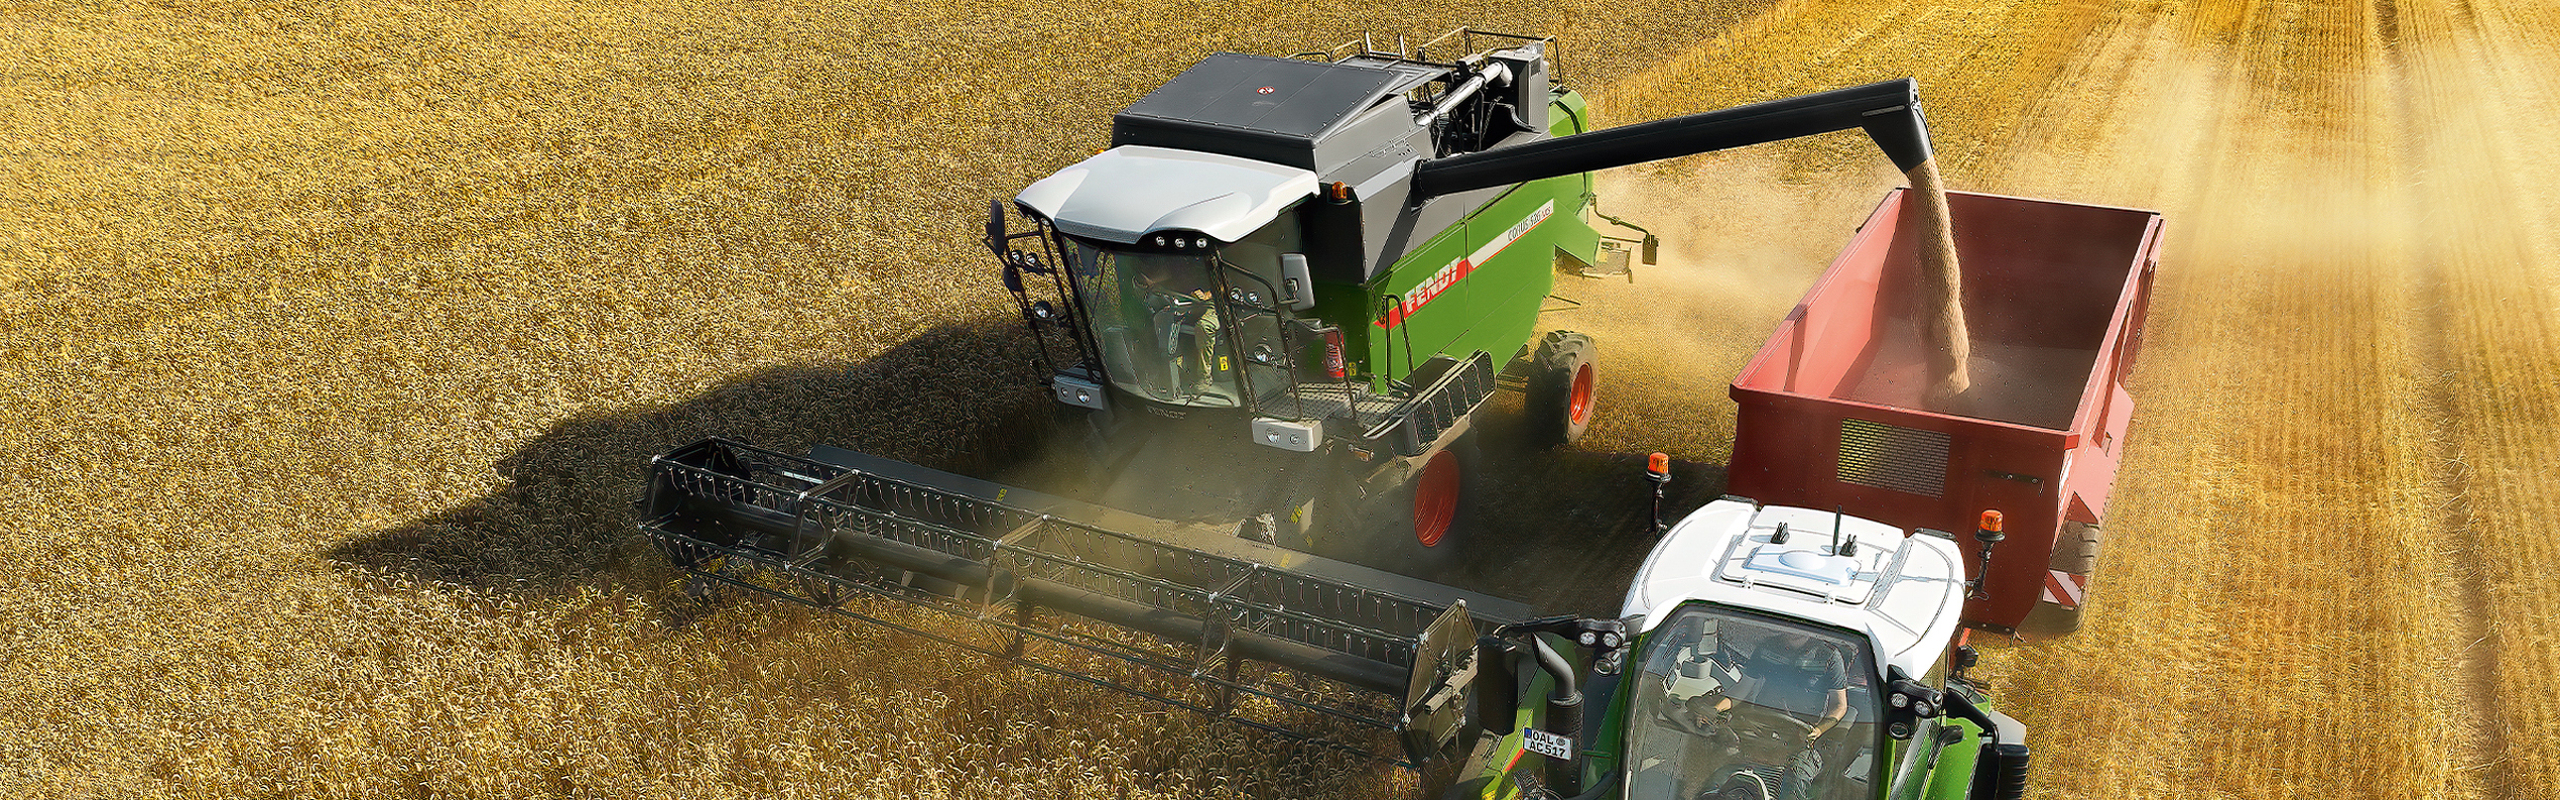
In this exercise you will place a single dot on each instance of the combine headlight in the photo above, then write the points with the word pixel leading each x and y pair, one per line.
pixel 1202 243
pixel 1180 243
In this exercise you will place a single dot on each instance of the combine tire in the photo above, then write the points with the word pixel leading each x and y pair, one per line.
pixel 2075 551
pixel 1429 519
pixel 1561 397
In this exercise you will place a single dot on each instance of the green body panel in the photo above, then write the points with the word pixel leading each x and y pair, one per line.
pixel 1576 116
pixel 1569 115
pixel 1510 754
pixel 1457 307
pixel 1952 778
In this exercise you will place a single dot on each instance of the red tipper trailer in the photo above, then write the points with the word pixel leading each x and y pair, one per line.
pixel 1832 414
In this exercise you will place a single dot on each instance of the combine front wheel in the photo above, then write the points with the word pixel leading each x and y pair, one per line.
pixel 1560 396
pixel 1438 501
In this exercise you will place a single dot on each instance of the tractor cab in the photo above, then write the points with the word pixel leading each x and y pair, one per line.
pixel 1733 704
pixel 1773 642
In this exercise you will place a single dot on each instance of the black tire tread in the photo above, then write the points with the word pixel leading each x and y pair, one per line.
pixel 1550 390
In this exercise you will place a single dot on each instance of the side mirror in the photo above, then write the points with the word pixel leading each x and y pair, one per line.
pixel 1296 288
pixel 1652 248
pixel 995 227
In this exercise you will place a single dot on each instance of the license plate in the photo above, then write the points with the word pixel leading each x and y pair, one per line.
pixel 1547 744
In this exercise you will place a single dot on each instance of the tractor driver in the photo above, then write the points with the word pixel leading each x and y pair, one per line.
pixel 1803 669
pixel 1789 674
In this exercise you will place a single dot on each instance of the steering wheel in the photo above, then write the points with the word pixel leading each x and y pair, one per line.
pixel 1757 726
pixel 1741 785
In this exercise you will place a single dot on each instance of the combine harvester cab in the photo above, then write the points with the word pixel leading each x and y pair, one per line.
pixel 1834 411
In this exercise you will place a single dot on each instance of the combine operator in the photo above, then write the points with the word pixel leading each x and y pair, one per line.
pixel 1185 321
pixel 1741 708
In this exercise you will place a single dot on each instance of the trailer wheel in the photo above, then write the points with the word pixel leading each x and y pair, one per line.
pixel 2075 552
pixel 1561 398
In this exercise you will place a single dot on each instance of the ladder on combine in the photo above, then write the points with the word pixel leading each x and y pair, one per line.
pixel 1194 619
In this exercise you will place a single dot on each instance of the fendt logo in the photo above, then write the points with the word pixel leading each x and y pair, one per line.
pixel 1458 270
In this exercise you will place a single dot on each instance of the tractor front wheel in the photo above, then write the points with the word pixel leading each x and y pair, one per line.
pixel 1561 397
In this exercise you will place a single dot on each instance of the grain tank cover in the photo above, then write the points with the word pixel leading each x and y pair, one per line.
pixel 1304 114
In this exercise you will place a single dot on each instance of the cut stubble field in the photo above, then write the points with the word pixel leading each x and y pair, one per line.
pixel 335 338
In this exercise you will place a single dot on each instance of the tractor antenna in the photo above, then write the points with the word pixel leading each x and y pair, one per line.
pixel 1835 531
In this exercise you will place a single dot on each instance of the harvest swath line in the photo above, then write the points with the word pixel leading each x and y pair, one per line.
pixel 2480 659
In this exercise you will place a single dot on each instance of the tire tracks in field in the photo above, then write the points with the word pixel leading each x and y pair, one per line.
pixel 2417 88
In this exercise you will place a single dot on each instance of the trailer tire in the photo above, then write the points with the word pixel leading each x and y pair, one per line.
pixel 2075 551
pixel 1562 398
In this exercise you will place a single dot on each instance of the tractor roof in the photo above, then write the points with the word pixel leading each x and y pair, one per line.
pixel 1902 591
pixel 1295 112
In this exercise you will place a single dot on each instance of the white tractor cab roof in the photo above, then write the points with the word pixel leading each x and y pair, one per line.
pixel 1903 593
pixel 1128 192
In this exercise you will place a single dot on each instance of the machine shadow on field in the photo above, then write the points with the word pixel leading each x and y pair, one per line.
pixel 962 397
pixel 966 398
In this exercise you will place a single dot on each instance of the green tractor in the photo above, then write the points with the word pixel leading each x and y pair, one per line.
pixel 1763 653
pixel 1288 289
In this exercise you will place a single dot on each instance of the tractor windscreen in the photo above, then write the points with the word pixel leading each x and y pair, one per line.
pixel 1156 317
pixel 1740 705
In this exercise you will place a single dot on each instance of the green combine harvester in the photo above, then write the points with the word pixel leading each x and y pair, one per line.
pixel 1284 295
pixel 1287 290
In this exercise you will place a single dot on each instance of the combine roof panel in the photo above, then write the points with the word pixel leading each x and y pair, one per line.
pixel 1311 115
pixel 1287 97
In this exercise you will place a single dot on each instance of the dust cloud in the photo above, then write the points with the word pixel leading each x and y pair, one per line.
pixel 1744 234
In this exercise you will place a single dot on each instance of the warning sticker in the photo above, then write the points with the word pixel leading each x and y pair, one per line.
pixel 2065 589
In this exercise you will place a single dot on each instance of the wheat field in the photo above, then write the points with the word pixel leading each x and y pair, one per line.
pixel 335 337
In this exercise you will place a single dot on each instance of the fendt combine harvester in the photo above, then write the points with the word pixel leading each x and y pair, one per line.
pixel 1286 293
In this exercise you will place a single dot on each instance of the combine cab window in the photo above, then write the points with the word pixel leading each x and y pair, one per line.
pixel 1743 707
pixel 1157 319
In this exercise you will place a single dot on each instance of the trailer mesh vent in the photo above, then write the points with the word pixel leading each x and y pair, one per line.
pixel 1892 457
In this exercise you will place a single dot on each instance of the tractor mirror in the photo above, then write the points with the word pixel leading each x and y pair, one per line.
pixel 1652 248
pixel 995 227
pixel 1295 286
